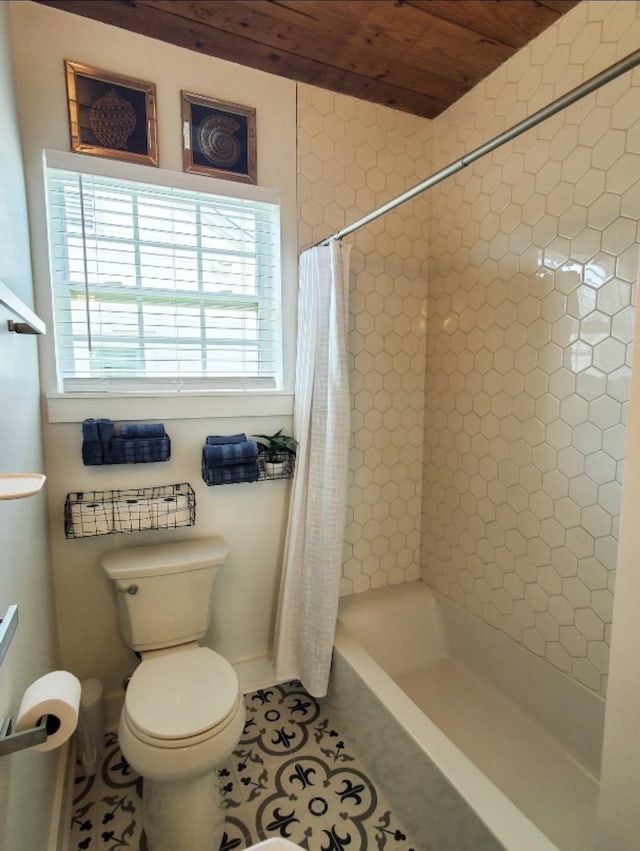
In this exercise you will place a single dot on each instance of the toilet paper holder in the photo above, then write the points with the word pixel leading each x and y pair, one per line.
pixel 12 742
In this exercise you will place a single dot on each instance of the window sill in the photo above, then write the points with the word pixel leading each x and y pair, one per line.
pixel 73 408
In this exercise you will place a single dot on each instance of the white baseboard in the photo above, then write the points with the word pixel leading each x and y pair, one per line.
pixel 254 674
pixel 60 831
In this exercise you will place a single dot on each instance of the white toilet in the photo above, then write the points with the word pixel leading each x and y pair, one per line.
pixel 183 712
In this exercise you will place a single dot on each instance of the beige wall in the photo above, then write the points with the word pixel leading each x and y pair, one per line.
pixel 353 157
pixel 251 517
pixel 533 265
pixel 25 574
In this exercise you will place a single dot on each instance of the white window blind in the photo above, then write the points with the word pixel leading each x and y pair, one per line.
pixel 162 288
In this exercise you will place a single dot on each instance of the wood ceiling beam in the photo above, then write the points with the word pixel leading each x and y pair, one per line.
pixel 191 33
pixel 512 23
pixel 403 34
pixel 560 6
pixel 334 36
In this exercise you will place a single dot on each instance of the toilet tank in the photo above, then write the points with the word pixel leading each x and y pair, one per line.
pixel 164 590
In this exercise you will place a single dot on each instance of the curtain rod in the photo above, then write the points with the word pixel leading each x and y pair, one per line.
pixel 590 85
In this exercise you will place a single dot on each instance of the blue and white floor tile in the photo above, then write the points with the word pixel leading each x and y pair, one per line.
pixel 107 806
pixel 292 775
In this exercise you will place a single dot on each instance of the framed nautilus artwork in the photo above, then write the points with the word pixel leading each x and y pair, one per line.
pixel 218 138
pixel 111 115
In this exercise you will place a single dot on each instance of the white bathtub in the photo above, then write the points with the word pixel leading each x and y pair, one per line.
pixel 477 744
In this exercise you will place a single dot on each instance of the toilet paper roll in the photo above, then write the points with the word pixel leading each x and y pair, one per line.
pixel 57 695
pixel 91 518
pixel 132 515
pixel 171 511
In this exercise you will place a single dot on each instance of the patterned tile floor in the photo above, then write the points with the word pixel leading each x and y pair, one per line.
pixel 292 775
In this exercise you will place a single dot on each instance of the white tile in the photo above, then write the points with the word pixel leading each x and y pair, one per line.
pixel 573 641
pixel 579 542
pixel 602 604
pixel 547 626
pixel 600 467
pixel 558 656
pixel 536 598
pixel 589 624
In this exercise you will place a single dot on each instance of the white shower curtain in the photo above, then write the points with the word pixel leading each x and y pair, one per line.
pixel 315 531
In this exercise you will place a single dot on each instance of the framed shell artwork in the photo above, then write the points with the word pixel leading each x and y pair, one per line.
pixel 111 115
pixel 219 138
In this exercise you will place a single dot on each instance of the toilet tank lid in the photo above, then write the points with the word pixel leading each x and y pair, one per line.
pixel 165 558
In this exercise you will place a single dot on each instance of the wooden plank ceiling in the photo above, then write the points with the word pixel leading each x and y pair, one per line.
pixel 415 55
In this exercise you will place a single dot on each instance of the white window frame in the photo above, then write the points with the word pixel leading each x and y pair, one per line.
pixel 185 403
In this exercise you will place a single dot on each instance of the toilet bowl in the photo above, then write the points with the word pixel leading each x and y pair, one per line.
pixel 183 712
pixel 183 716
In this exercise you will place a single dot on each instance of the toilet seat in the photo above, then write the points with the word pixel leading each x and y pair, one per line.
pixel 183 698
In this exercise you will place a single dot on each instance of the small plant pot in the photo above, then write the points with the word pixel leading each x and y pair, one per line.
pixel 275 469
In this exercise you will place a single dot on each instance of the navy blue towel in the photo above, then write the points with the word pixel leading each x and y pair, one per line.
pixel 95 442
pixel 92 453
pixel 217 439
pixel 140 450
pixel 90 430
pixel 232 474
pixel 229 454
pixel 140 443
pixel 142 430
pixel 105 430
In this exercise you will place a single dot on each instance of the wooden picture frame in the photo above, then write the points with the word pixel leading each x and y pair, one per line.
pixel 218 138
pixel 111 115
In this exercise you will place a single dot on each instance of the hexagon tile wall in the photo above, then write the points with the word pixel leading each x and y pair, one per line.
pixel 354 156
pixel 534 257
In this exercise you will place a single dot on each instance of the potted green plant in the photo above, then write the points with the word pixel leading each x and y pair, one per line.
pixel 276 451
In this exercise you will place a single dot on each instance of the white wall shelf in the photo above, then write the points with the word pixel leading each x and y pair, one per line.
pixel 20 485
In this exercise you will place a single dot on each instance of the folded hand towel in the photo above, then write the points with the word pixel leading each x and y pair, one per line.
pixel 90 430
pixel 142 430
pixel 139 450
pixel 232 474
pixel 105 430
pixel 92 455
pixel 217 439
pixel 229 454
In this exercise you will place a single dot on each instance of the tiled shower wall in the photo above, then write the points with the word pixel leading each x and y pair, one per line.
pixel 352 157
pixel 534 254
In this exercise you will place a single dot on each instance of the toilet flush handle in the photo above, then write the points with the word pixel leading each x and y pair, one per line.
pixel 130 589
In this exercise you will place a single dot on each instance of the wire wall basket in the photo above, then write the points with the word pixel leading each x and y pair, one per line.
pixel 107 512
pixel 279 465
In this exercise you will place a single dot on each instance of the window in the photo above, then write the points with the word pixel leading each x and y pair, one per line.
pixel 159 287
